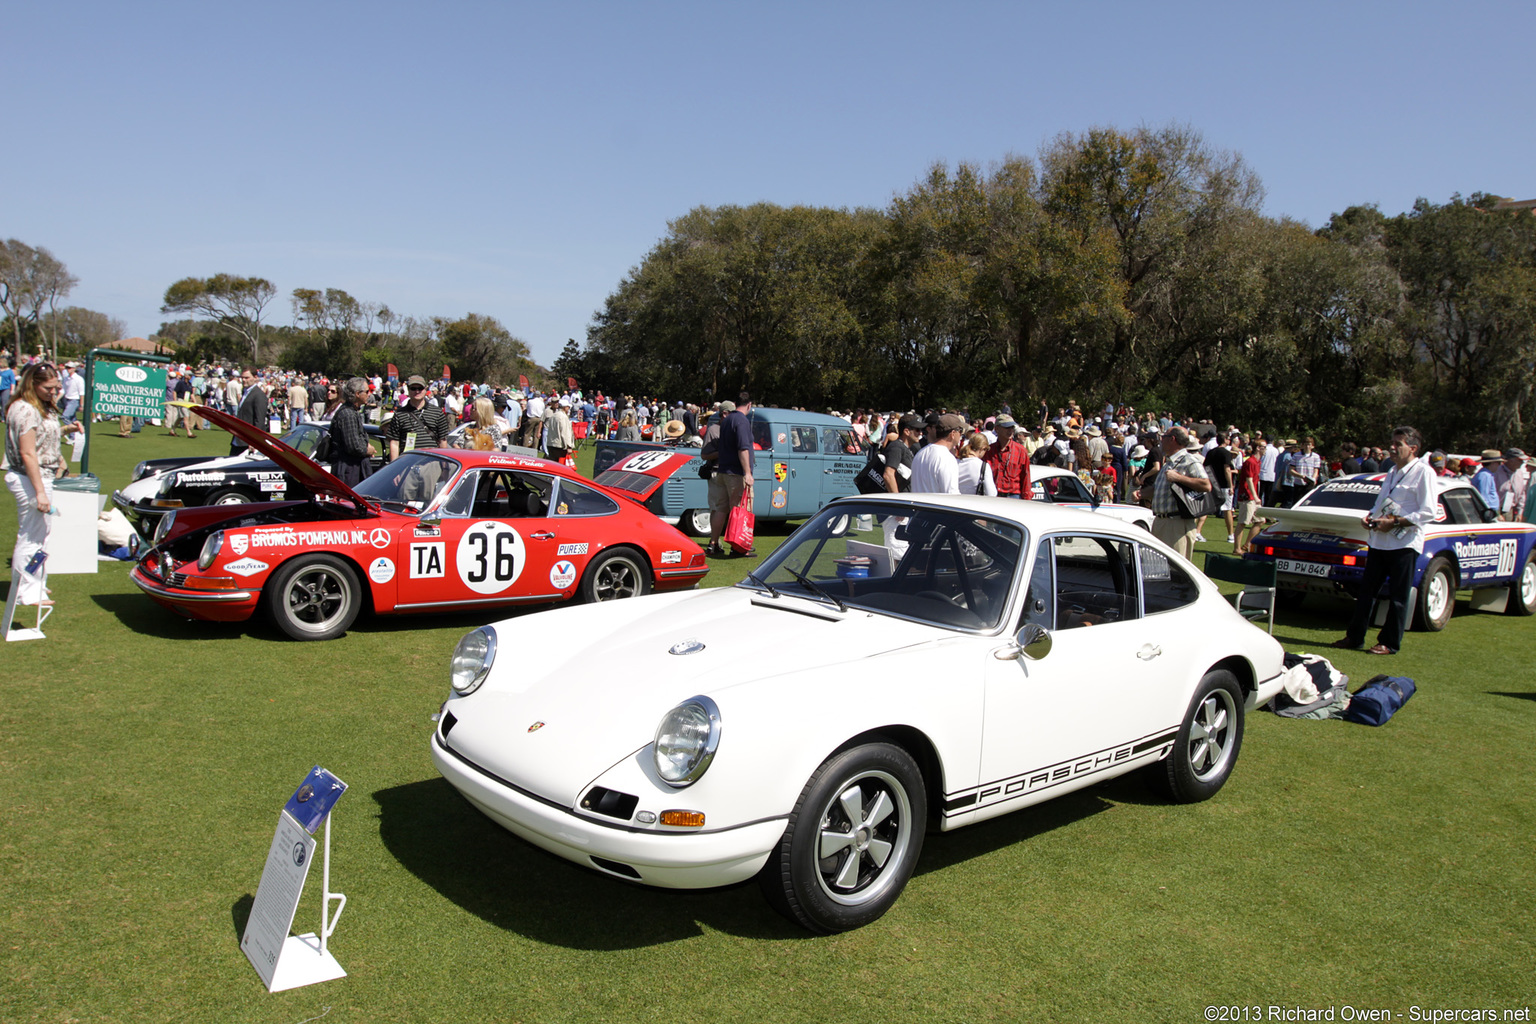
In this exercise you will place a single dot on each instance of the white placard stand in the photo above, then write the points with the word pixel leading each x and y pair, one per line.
pixel 43 611
pixel 291 961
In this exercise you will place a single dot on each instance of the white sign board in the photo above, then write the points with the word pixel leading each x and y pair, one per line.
pixel 277 897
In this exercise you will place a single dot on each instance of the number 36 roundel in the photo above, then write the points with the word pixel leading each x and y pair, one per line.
pixel 490 557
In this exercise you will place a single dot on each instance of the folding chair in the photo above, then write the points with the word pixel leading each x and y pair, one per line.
pixel 1256 578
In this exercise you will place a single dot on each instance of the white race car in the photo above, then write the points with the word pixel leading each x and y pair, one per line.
pixel 901 663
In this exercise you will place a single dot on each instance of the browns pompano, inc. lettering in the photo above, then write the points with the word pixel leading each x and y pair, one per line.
pixel 307 538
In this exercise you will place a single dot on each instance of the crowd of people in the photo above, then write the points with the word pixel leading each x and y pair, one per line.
pixel 1182 469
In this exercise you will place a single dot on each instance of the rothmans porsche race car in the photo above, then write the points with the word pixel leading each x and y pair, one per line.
pixel 1319 546
pixel 900 663
pixel 435 530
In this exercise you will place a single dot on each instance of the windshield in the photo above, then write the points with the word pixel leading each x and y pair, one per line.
pixel 412 481
pixel 941 567
pixel 1355 494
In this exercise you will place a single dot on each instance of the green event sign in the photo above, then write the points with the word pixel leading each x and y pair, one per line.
pixel 124 390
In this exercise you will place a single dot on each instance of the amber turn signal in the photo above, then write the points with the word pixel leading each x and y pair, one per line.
pixel 686 819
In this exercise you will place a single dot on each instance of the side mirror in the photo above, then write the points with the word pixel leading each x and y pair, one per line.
pixel 1489 515
pixel 1033 641
pixel 434 518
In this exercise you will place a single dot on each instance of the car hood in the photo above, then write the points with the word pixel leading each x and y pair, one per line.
pixel 641 474
pixel 533 722
pixel 297 465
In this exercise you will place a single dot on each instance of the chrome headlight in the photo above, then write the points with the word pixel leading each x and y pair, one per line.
pixel 138 472
pixel 686 741
pixel 163 527
pixel 210 550
pixel 472 661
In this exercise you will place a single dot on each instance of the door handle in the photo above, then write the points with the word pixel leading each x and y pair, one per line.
pixel 1148 652
pixel 542 535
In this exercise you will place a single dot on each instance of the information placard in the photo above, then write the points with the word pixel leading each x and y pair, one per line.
pixel 123 390
pixel 277 897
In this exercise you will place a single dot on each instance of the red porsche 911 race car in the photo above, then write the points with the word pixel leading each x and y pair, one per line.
pixel 435 530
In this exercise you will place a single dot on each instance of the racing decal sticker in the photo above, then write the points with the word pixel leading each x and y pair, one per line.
pixel 490 557
pixel 1495 558
pixel 783 439
pixel 246 567
pixel 382 570
pixel 427 561
pixel 563 509
pixel 427 531
pixel 570 549
pixel 238 543
pixel 277 486
pixel 1050 776
pixel 780 471
pixel 644 462
pixel 671 557
pixel 192 479
pixel 379 537
pixel 562 574
pixel 780 499
pixel 288 537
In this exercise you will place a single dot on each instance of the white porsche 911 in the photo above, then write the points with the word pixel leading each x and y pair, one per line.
pixel 901 664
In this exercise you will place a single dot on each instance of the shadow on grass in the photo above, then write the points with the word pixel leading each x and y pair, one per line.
pixel 141 615
pixel 945 849
pixel 240 913
pixel 1517 696
pixel 443 840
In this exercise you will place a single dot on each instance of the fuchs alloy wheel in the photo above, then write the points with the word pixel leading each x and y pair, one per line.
pixel 314 597
pixel 1437 596
pixel 695 522
pixel 614 575
pixel 1208 742
pixel 852 841
pixel 1522 593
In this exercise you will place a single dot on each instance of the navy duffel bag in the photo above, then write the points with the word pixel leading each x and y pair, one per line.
pixel 1379 699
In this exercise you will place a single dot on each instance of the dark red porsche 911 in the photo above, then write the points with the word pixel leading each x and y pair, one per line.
pixel 435 530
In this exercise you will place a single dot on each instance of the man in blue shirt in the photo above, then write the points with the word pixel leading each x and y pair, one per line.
pixel 1486 483
pixel 7 382
pixel 731 484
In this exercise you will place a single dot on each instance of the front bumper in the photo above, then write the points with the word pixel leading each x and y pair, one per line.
pixel 671 860
pixel 207 605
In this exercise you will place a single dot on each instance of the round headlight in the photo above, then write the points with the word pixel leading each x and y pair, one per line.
pixel 472 660
pixel 163 527
pixel 211 548
pixel 686 741
pixel 138 472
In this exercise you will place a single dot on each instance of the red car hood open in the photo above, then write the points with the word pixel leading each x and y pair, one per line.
pixel 297 465
pixel 640 474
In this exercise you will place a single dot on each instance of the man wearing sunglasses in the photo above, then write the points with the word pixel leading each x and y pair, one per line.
pixel 416 424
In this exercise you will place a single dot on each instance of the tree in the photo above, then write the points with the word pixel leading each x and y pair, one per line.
pixel 30 281
pixel 81 330
pixel 233 303
pixel 480 348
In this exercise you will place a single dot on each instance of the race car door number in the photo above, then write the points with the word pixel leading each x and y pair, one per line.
pixel 1302 568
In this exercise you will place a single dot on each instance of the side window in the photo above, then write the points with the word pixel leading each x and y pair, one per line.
pixel 1039 599
pixel 1164 586
pixel 527 495
pixel 802 439
pixel 462 501
pixel 838 442
pixel 762 436
pixel 1462 506
pixel 1096 581
pixel 577 500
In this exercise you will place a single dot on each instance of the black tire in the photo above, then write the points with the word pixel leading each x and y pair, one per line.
pixel 314 597
pixel 694 522
pixel 230 496
pixel 1208 742
pixel 1437 596
pixel 1522 593
pixel 869 860
pixel 616 574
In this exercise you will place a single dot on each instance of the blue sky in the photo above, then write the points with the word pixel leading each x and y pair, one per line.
pixel 517 159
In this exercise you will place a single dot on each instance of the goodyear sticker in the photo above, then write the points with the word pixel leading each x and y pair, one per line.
pixel 780 471
pixel 780 499
pixel 562 574
pixel 246 566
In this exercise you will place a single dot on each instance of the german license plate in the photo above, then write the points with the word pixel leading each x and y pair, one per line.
pixel 1302 568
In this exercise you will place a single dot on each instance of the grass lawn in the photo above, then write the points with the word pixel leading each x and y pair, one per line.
pixel 144 759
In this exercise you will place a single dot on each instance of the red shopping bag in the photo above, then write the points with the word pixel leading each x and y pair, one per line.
pixel 738 528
